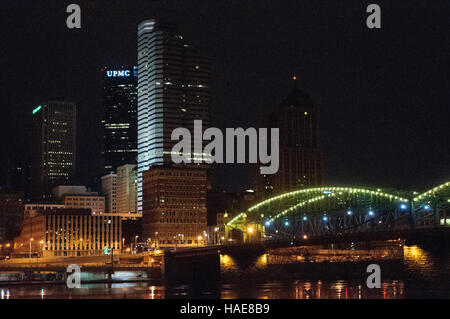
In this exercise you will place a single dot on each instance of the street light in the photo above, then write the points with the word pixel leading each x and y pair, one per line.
pixel 42 247
pixel 31 239
pixel 250 231
pixel 135 243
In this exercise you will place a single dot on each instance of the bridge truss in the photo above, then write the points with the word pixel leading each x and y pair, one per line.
pixel 334 211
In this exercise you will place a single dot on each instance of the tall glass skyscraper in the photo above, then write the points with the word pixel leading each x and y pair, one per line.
pixel 120 117
pixel 173 91
pixel 54 146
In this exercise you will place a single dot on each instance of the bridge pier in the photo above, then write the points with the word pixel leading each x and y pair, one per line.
pixel 195 268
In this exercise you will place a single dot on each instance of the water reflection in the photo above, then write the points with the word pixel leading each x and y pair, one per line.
pixel 425 273
pixel 315 290
pixel 274 290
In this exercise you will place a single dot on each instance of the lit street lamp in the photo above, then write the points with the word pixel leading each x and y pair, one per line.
pixel 31 239
pixel 135 243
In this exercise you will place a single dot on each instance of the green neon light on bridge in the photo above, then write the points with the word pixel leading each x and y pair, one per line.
pixel 37 109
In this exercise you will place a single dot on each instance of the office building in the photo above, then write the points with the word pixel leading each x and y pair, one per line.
pixel 60 191
pixel 120 117
pixel 54 146
pixel 300 154
pixel 93 202
pixel 109 190
pixel 67 232
pixel 173 91
pixel 174 207
pixel 127 189
pixel 42 207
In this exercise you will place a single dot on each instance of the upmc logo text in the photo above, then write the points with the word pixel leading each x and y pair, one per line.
pixel 117 73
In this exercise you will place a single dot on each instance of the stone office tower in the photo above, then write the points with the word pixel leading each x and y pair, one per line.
pixel 300 151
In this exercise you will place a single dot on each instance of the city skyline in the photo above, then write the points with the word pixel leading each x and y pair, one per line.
pixel 224 150
pixel 371 121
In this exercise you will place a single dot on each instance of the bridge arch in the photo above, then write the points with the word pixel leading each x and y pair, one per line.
pixel 432 208
pixel 293 198
pixel 319 209
pixel 442 191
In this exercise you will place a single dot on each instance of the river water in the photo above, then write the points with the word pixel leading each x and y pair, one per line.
pixel 424 274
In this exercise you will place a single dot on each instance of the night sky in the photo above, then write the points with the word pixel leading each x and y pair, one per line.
pixel 383 95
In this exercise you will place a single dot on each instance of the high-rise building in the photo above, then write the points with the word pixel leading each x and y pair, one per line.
pixel 300 154
pixel 109 190
pixel 120 117
pixel 173 91
pixel 174 210
pixel 54 146
pixel 127 189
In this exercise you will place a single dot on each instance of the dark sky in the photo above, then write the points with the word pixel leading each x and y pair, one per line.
pixel 383 95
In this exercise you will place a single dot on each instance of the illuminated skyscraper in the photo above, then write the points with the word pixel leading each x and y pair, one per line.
pixel 120 117
pixel 299 149
pixel 173 91
pixel 54 147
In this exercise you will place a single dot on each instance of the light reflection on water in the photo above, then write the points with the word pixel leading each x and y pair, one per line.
pixel 276 290
pixel 424 274
pixel 316 290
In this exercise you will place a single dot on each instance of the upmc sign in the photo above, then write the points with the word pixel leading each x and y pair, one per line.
pixel 113 74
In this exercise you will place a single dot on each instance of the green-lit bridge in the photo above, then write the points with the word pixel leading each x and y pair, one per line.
pixel 338 211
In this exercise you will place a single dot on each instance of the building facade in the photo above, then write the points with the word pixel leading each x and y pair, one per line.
pixel 54 147
pixel 217 232
pixel 42 207
pixel 174 207
pixel 67 232
pixel 93 202
pixel 173 91
pixel 60 191
pixel 300 154
pixel 109 190
pixel 127 189
pixel 11 214
pixel 120 117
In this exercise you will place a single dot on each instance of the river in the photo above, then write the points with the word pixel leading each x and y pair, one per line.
pixel 424 274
